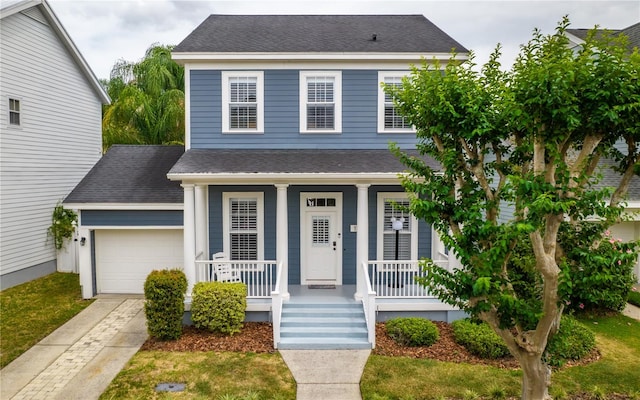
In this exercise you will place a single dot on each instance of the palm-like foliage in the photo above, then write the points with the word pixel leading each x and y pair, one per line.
pixel 148 101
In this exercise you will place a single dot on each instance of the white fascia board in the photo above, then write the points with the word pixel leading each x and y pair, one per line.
pixel 75 53
pixel 9 8
pixel 125 206
pixel 382 178
pixel 195 56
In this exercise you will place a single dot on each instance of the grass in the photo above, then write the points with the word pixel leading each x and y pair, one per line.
pixel 34 309
pixel 391 378
pixel 634 297
pixel 207 375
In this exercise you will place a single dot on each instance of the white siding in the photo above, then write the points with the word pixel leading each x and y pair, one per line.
pixel 58 141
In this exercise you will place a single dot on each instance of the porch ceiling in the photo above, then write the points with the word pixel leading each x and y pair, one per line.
pixel 316 165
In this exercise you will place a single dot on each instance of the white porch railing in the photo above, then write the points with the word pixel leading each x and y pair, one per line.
pixel 259 276
pixel 397 279
pixel 368 302
pixel 276 305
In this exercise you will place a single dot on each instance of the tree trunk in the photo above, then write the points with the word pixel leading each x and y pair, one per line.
pixel 536 377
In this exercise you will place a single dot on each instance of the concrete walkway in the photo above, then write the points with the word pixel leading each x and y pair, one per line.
pixel 327 374
pixel 79 359
pixel 632 311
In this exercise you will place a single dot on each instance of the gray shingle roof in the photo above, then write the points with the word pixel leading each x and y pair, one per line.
pixel 633 32
pixel 213 161
pixel 131 174
pixel 611 178
pixel 318 33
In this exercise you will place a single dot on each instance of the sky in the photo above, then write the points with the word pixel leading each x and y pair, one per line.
pixel 106 31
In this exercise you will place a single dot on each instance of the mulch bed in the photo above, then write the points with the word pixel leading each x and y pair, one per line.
pixel 257 337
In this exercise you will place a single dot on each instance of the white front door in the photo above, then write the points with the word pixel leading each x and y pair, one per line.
pixel 321 238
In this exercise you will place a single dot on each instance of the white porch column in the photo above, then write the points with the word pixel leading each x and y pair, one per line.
pixel 282 234
pixel 362 221
pixel 189 237
pixel 201 221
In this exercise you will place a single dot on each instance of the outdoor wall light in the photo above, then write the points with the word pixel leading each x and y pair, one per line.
pixel 83 240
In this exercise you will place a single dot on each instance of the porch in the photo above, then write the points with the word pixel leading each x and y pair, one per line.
pixel 333 316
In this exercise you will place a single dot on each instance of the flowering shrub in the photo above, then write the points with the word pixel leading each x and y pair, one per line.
pixel 601 277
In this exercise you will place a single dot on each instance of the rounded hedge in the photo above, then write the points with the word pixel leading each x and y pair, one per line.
pixel 412 331
pixel 479 339
pixel 572 342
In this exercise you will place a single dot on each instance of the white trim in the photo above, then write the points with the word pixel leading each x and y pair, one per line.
pixel 380 224
pixel 133 227
pixel 287 56
pixel 263 65
pixel 259 75
pixel 391 178
pixel 187 107
pixel 303 231
pixel 382 75
pixel 125 206
pixel 337 100
pixel 226 196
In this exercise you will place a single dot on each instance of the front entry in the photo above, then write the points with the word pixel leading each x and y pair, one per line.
pixel 321 238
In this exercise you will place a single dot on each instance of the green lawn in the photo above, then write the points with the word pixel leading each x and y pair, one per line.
pixel 34 309
pixel 210 375
pixel 617 337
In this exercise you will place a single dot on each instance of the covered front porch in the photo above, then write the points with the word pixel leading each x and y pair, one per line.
pixel 288 221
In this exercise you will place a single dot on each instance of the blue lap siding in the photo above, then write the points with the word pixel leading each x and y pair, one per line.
pixel 132 218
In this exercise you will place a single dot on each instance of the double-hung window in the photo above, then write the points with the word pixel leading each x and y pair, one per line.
pixel 242 102
pixel 389 120
pixel 407 236
pixel 14 112
pixel 320 102
pixel 243 225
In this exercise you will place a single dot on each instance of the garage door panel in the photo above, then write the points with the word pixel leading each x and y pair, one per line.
pixel 124 258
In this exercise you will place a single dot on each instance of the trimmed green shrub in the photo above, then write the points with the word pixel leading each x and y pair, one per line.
pixel 479 339
pixel 412 331
pixel 572 342
pixel 164 292
pixel 219 306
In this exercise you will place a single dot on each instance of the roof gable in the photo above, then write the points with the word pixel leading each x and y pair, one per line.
pixel 318 34
pixel 12 7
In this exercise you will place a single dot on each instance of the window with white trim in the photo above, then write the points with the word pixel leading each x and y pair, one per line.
pixel 242 102
pixel 389 120
pixel 320 102
pixel 14 112
pixel 407 237
pixel 243 225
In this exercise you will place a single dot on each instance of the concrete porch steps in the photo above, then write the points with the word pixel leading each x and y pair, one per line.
pixel 323 326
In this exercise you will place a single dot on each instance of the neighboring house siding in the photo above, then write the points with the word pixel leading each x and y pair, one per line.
pixel 58 141
pixel 133 218
pixel 282 114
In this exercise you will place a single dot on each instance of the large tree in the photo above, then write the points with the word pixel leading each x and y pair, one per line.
pixel 519 153
pixel 147 101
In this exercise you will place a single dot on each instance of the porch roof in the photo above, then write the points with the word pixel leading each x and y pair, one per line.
pixel 288 164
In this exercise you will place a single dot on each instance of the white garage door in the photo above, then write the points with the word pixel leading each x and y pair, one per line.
pixel 124 258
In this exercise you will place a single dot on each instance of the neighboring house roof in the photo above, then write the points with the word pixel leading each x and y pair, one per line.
pixel 131 174
pixel 611 178
pixel 316 161
pixel 10 7
pixel 318 34
pixel 577 36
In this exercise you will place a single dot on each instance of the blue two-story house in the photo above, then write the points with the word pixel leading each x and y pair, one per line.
pixel 288 184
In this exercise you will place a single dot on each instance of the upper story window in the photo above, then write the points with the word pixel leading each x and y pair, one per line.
pixel 320 102
pixel 407 236
pixel 388 118
pixel 242 102
pixel 14 112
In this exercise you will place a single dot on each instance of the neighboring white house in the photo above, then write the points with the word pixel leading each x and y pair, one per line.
pixel 50 133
